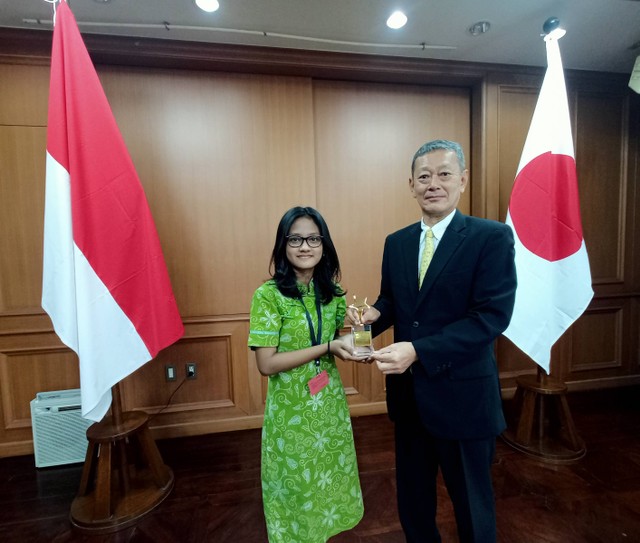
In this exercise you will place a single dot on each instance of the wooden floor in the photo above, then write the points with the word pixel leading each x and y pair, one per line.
pixel 217 497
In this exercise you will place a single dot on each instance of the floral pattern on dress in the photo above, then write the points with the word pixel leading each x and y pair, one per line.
pixel 310 482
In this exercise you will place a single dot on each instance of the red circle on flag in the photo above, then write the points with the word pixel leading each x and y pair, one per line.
pixel 545 209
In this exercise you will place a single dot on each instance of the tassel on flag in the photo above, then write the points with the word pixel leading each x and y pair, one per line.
pixel 554 280
pixel 105 283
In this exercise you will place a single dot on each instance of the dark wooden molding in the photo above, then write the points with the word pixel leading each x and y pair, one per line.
pixel 34 46
pixel 149 52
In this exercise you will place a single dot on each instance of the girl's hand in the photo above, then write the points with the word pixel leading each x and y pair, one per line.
pixel 342 347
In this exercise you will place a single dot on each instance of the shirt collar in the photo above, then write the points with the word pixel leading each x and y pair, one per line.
pixel 439 228
pixel 306 290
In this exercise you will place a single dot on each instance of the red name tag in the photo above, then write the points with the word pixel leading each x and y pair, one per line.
pixel 318 382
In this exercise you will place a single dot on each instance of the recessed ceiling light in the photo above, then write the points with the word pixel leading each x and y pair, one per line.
pixel 208 5
pixel 397 20
pixel 479 28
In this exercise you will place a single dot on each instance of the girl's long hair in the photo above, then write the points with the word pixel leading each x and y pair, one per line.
pixel 326 274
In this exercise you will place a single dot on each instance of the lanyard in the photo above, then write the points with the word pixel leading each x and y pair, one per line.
pixel 315 340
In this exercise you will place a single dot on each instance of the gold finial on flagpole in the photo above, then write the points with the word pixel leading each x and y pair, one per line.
pixel 53 8
pixel 552 30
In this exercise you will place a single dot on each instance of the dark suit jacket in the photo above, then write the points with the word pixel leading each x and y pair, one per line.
pixel 465 302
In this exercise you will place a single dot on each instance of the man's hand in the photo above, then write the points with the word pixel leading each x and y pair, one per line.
pixel 369 315
pixel 395 358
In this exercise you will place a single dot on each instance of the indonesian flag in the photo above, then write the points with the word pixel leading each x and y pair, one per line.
pixel 105 283
pixel 554 281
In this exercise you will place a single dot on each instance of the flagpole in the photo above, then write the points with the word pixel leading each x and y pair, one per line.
pixel 116 414
pixel 116 404
pixel 542 382
pixel 545 257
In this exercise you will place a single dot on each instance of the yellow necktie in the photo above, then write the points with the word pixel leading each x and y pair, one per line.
pixel 427 255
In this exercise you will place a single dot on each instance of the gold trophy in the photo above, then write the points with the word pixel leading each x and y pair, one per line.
pixel 361 333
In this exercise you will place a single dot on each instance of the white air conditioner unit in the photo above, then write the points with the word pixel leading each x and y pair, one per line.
pixel 59 431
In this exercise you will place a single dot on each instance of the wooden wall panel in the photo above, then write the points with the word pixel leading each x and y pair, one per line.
pixel 212 387
pixel 25 92
pixel 221 158
pixel 24 372
pixel 601 155
pixel 29 363
pixel 596 348
pixel 597 341
pixel 516 105
pixel 23 120
pixel 604 345
pixel 366 135
pixel 22 166
pixel 219 394
pixel 604 342
pixel 514 109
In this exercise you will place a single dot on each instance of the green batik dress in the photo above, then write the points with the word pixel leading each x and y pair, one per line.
pixel 310 483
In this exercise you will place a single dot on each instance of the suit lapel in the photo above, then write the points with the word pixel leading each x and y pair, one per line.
pixel 410 246
pixel 448 245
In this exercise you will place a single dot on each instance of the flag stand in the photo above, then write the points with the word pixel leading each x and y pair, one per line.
pixel 544 428
pixel 123 477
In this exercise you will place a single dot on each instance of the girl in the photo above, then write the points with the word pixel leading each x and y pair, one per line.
pixel 310 484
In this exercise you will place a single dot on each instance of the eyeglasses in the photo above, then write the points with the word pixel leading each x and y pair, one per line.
pixel 297 241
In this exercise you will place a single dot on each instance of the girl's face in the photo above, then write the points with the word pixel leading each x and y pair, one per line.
pixel 303 258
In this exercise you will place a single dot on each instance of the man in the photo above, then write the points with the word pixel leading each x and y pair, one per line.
pixel 443 392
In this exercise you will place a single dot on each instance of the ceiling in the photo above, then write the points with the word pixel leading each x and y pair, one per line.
pixel 602 35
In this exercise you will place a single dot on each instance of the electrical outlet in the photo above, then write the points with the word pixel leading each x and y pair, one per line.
pixel 170 372
pixel 190 368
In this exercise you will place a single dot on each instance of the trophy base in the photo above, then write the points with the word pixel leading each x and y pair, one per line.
pixel 362 339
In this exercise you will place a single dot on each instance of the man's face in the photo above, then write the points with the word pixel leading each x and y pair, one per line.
pixel 437 183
